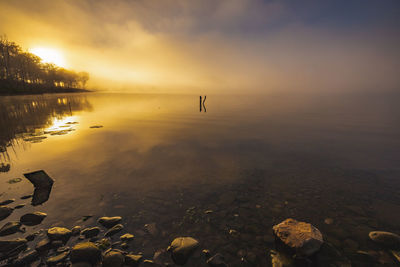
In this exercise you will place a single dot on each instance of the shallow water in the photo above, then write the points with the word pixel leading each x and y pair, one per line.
pixel 249 161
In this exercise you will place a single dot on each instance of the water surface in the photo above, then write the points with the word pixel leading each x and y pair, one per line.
pixel 245 164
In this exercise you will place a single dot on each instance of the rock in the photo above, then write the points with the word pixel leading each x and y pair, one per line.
pixel 217 261
pixel 14 180
pixel 96 126
pixel 115 229
pixel 10 228
pixel 5 212
pixel 59 233
pixel 396 255
pixel 19 206
pixel 57 258
pixel 27 258
pixel 31 219
pixel 151 228
pixel 328 221
pixel 113 259
pixel 76 230
pixel 9 248
pixel 43 245
pixel 149 263
pixel 109 222
pixel 103 244
pixel 127 237
pixel 300 237
pixel 281 260
pixel 206 253
pixel 6 202
pixel 26 196
pixel 90 232
pixel 57 244
pixel 387 239
pixel 42 183
pixel 181 248
pixel 133 260
pixel 31 237
pixel 85 252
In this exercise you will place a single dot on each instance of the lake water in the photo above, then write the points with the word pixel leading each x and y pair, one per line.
pixel 245 164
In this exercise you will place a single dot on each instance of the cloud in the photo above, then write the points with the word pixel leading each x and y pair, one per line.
pixel 218 46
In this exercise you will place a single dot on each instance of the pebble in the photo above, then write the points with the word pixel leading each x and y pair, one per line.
pixel 31 219
pixel 5 212
pixel 59 233
pixel 109 222
pixel 76 230
pixel 181 248
pixel 90 232
pixel 20 206
pixel 6 202
pixel 127 237
pixel 10 228
pixel 390 240
pixel 133 260
pixel 85 252
pixel 58 258
pixel 115 229
pixel 217 261
pixel 113 259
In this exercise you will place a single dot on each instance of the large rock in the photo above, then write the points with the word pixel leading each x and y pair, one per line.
pixel 10 228
pixel 300 237
pixel 85 252
pixel 59 233
pixel 42 183
pixel 31 219
pixel 113 259
pixel 390 240
pixel 5 212
pixel 109 222
pixel 181 248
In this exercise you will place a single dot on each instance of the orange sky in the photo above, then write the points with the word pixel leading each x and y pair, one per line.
pixel 228 46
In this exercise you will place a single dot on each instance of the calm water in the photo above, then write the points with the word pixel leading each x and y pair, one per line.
pixel 253 161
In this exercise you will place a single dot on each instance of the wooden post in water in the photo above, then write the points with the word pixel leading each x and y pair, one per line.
pixel 200 103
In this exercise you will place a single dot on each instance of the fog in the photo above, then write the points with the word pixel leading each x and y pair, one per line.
pixel 227 46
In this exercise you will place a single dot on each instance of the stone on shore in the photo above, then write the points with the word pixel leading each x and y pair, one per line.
pixel 109 222
pixel 300 237
pixel 133 260
pixel 115 229
pixel 53 260
pixel 10 248
pixel 43 245
pixel 85 252
pixel 181 248
pixel 387 239
pixel 217 261
pixel 5 212
pixel 113 259
pixel 6 202
pixel 76 230
pixel 10 228
pixel 59 233
pixel 31 219
pixel 127 237
pixel 42 183
pixel 26 259
pixel 90 232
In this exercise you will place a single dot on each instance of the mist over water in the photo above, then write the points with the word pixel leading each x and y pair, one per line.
pixel 252 160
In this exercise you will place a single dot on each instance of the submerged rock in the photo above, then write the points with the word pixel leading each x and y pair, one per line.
pixel 115 229
pixel 300 237
pixel 127 237
pixel 26 197
pixel 387 239
pixel 59 233
pixel 109 222
pixel 133 260
pixel 53 260
pixel 181 248
pixel 27 258
pixel 12 247
pixel 42 183
pixel 19 206
pixel 6 202
pixel 90 232
pixel 10 228
pixel 5 212
pixel 85 252
pixel 31 219
pixel 113 259
pixel 217 261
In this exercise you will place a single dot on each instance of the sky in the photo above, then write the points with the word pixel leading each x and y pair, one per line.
pixel 214 46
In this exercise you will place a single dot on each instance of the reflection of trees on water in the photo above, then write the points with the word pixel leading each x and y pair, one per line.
pixel 21 116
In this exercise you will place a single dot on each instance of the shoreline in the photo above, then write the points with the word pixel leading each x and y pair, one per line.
pixel 42 92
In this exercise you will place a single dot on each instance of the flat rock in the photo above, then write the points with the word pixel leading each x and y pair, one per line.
pixel 6 202
pixel 31 219
pixel 42 183
pixel 390 240
pixel 53 260
pixel 109 222
pixel 113 259
pixel 5 212
pixel 85 252
pixel 90 232
pixel 10 228
pixel 300 237
pixel 181 248
pixel 133 260
pixel 59 233
pixel 115 229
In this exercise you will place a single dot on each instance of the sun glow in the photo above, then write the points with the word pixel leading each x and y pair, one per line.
pixel 49 55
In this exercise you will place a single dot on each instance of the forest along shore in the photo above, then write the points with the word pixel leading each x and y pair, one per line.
pixel 22 72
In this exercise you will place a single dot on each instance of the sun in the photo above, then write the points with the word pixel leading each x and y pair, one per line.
pixel 49 55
